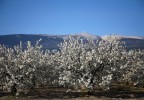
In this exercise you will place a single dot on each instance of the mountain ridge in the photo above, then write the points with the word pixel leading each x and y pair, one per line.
pixel 52 41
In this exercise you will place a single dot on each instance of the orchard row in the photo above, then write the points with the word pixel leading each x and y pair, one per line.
pixel 78 63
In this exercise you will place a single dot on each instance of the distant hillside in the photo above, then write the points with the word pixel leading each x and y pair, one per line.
pixel 48 42
pixel 132 42
pixel 52 41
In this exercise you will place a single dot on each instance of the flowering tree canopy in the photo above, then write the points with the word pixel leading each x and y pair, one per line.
pixel 78 63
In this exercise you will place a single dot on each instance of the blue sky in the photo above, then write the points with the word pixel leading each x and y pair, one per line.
pixel 100 17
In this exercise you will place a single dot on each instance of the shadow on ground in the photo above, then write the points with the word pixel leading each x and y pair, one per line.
pixel 60 93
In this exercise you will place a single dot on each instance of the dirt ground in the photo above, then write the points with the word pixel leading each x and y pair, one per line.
pixel 54 93
pixel 77 98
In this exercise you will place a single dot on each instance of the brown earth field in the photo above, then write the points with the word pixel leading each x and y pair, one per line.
pixel 60 93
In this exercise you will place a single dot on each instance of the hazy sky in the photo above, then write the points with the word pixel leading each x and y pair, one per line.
pixel 100 17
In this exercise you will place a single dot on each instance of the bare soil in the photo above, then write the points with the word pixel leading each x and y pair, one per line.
pixel 59 93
